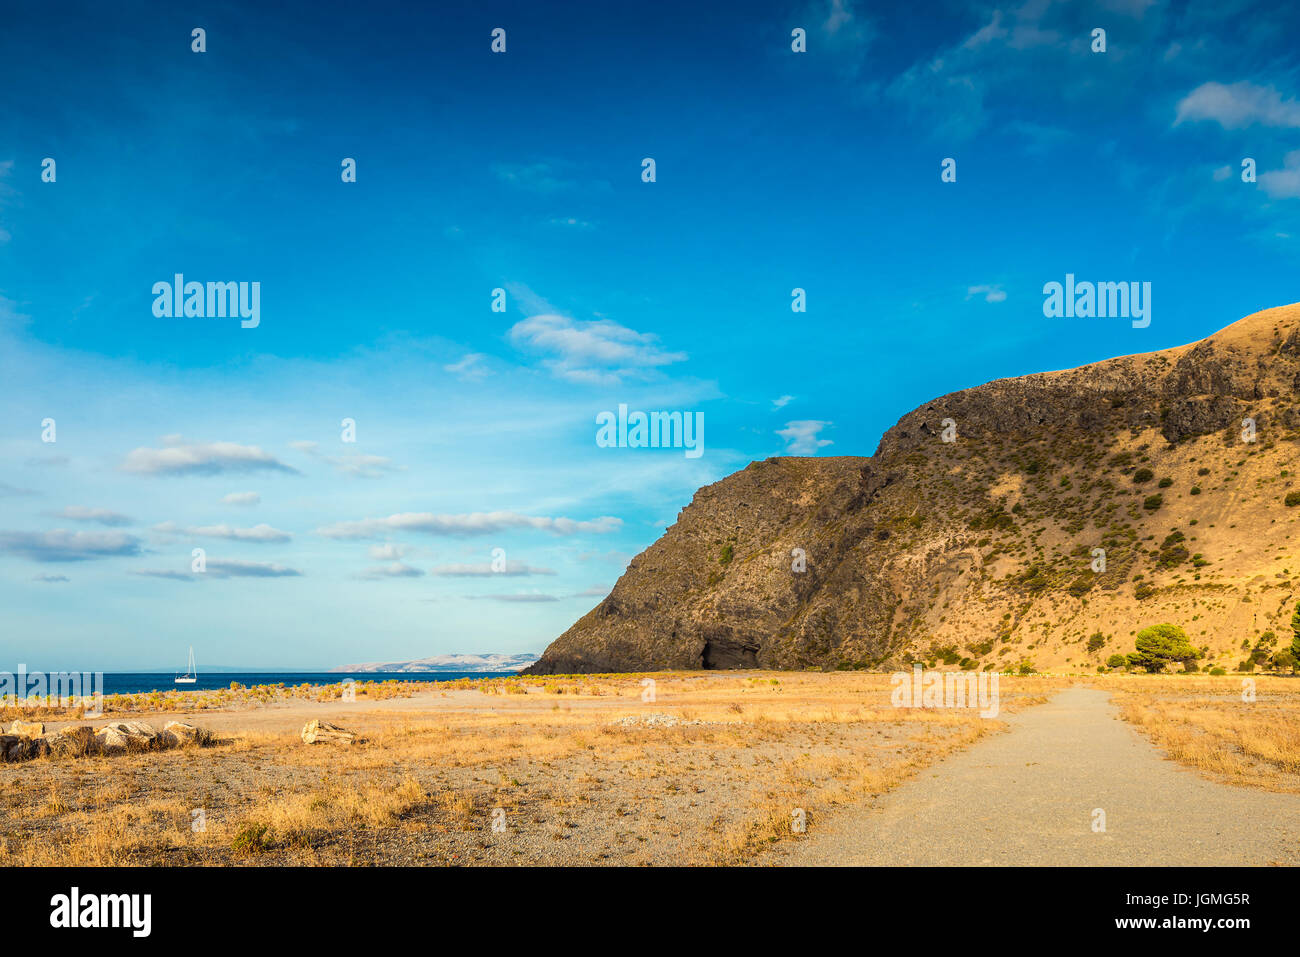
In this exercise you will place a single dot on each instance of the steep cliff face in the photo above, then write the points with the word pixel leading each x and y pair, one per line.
pixel 984 550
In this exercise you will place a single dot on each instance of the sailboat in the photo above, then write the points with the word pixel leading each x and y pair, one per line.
pixel 191 673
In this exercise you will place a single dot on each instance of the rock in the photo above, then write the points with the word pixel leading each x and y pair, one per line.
pixel 27 729
pixel 126 736
pixel 317 732
pixel 74 742
pixel 15 748
pixel 177 734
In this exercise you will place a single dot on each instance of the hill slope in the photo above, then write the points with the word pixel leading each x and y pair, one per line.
pixel 980 550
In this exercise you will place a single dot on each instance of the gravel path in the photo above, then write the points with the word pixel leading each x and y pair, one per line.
pixel 1027 797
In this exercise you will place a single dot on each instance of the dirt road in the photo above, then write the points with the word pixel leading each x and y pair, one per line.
pixel 1030 796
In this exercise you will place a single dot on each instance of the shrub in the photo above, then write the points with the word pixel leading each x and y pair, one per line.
pixel 1143 475
pixel 726 555
pixel 1116 661
pixel 1165 482
pixel 1153 502
pixel 1292 499
pixel 1096 641
pixel 1159 645
pixel 252 838
pixel 1217 672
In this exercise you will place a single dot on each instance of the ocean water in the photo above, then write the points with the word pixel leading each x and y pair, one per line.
pixel 138 682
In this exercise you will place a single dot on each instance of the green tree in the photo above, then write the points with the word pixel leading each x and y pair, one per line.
pixel 1116 661
pixel 1295 627
pixel 1158 645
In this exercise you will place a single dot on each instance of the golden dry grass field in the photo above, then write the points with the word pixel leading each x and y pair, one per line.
pixel 570 770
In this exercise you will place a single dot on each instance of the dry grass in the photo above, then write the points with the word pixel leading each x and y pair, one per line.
pixel 1204 723
pixel 543 756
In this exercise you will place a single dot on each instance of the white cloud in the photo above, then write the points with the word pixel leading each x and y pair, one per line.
pixel 468 369
pixel 990 293
pixel 241 498
pixel 1283 183
pixel 801 437
pixel 230 568
pixel 356 464
pixel 201 458
pixel 524 597
pixel 393 570
pixel 472 523
pixel 61 545
pixel 485 570
pixel 782 401
pixel 388 553
pixel 601 352
pixel 261 533
pixel 1238 105
pixel 102 516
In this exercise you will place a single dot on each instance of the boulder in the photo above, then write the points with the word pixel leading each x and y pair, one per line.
pixel 22 749
pixel 177 734
pixel 317 732
pixel 75 741
pixel 27 729
pixel 126 736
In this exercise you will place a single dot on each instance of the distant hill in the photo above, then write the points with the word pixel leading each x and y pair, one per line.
pixel 980 552
pixel 474 663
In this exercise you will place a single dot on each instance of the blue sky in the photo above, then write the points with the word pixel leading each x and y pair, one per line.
pixel 475 429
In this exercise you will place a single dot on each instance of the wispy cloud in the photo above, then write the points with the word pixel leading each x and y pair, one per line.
pixel 356 464
pixel 393 570
pixel 51 579
pixel 260 533
pixel 61 545
pixel 485 570
pixel 1238 105
pixel 990 293
pixel 241 498
pixel 1283 183
pixel 472 523
pixel 178 457
pixel 801 437
pixel 230 568
pixel 523 597
pixel 599 352
pixel 782 401
pixel 468 369
pixel 101 516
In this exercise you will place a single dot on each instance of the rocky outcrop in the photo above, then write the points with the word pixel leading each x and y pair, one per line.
pixel 969 535
pixel 75 741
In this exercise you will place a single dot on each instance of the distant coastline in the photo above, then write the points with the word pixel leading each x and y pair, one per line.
pixel 145 682
pixel 441 664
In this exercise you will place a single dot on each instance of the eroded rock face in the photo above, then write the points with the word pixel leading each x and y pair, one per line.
pixel 322 732
pixel 981 547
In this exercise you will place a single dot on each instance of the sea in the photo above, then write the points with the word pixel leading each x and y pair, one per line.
pixel 133 682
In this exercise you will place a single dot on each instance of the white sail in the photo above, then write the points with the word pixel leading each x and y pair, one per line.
pixel 191 673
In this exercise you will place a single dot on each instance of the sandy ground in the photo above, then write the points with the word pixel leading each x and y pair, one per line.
pixel 566 782
pixel 1030 797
